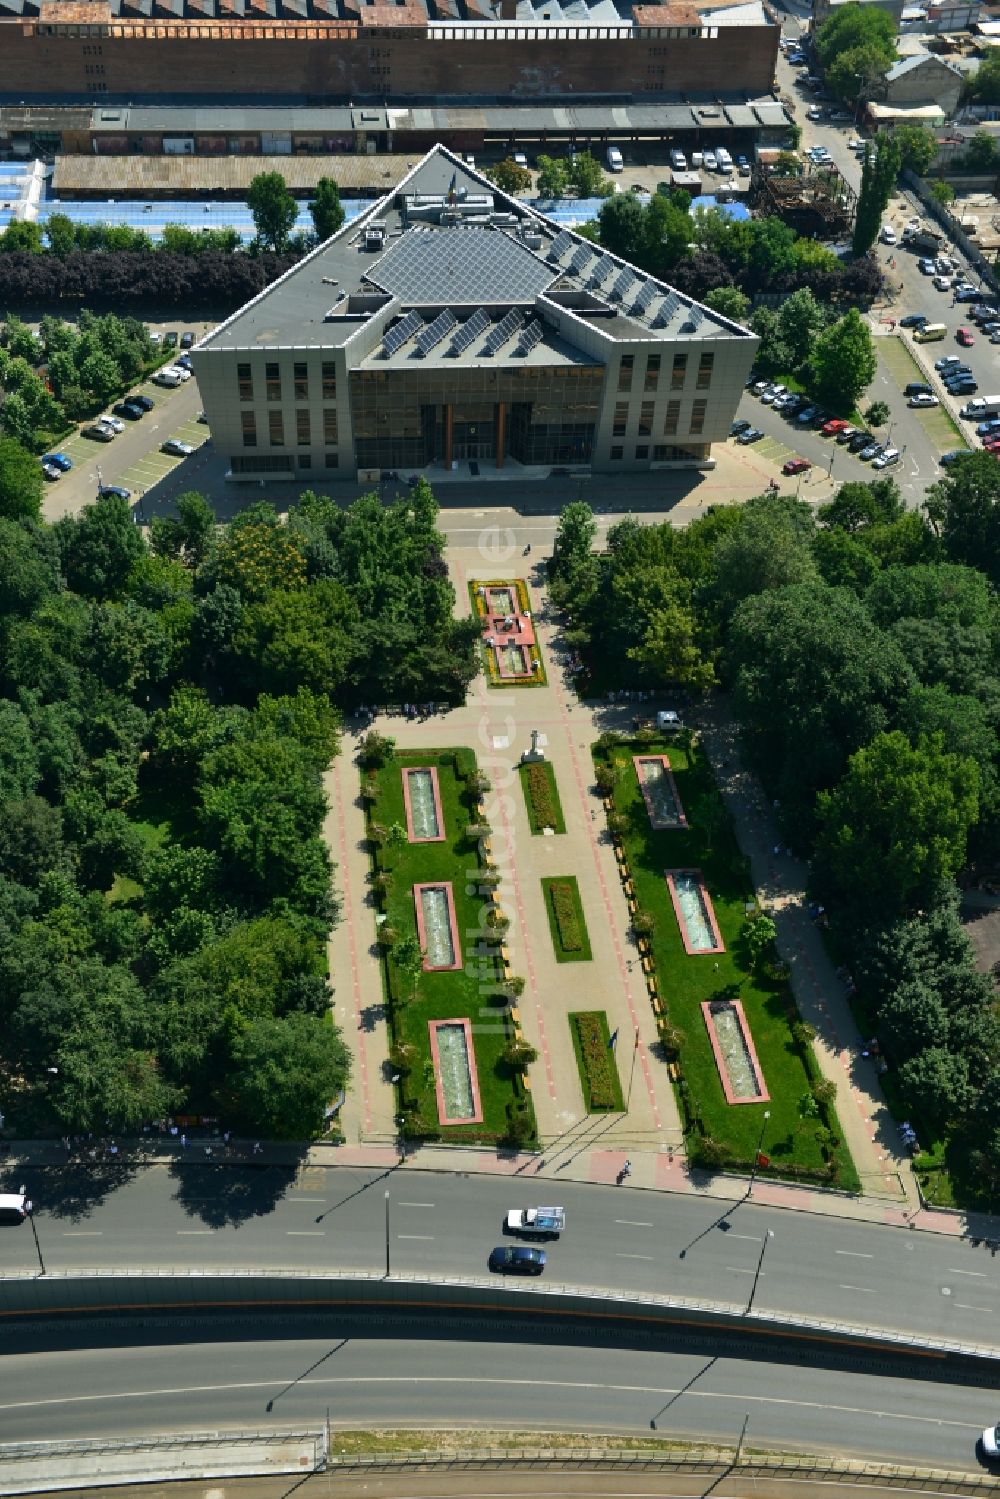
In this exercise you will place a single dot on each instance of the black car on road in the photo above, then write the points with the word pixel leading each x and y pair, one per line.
pixel 517 1259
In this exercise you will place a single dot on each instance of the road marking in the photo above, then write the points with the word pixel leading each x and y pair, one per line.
pixel 634 1256
pixel 855 1254
pixel 870 1289
pixel 739 1270
pixel 968 1307
pixel 305 1233
pixel 414 1204
pixel 187 1232
pixel 753 1238
pixel 979 1274
pixel 415 1236
pixel 633 1223
pixel 82 1233
pixel 307 1199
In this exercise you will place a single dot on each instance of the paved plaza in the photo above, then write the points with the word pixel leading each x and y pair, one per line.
pixel 497 723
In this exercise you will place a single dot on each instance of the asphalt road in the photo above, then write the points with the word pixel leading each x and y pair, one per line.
pixel 372 1383
pixel 222 1216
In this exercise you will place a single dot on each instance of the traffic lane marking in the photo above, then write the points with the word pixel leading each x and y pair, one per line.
pixel 855 1254
pixel 869 1290
pixel 633 1223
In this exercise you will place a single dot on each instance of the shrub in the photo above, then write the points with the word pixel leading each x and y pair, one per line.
pixel 597 1060
pixel 375 750
pixel 543 806
pixel 643 924
pixel 520 1127
pixel 605 779
pixel 567 921
pixel 519 1056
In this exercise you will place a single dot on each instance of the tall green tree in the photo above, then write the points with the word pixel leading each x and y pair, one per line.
pixel 509 176
pixel 326 208
pixel 273 208
pixel 281 1076
pixel 879 170
pixel 918 147
pixel 963 511
pixel 21 482
pixel 843 361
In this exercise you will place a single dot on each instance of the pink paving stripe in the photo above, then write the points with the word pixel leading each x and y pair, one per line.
pixel 695 952
pixel 680 821
pixel 476 1117
pixel 355 978
pixel 420 770
pixel 708 1007
pixel 418 903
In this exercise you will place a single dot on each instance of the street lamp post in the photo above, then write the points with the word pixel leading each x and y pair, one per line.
pixel 768 1236
pixel 387 1236
pixel 631 1076
pixel 34 1231
pixel 756 1154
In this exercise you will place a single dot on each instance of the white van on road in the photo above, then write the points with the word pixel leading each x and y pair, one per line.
pixel 616 161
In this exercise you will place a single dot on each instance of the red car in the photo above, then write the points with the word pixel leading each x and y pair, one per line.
pixel 965 338
pixel 796 466
pixel 830 429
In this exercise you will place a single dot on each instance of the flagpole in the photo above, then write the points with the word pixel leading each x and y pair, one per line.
pixel 631 1075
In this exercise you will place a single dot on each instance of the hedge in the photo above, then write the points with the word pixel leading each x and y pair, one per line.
pixel 544 808
pixel 564 910
pixel 595 1058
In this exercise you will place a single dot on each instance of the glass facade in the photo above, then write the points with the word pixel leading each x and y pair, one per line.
pixel 535 414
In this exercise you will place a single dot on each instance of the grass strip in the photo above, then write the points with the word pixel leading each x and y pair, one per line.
pixel 541 797
pixel 595 1060
pixel 567 923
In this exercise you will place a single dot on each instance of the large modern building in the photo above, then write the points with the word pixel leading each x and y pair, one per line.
pixel 348 51
pixel 451 325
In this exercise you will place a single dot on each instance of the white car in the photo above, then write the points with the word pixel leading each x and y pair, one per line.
pixel 942 283
pixel 710 161
pixel 178 370
pixel 178 449
pixel 115 423
pixel 990 1441
pixel 886 457
pixel 888 235
pixel 170 378
pixel 923 400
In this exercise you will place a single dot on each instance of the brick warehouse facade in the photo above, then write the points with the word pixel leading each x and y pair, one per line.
pixel 94 49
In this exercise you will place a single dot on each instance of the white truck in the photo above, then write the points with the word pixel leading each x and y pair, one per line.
pixel 535 1223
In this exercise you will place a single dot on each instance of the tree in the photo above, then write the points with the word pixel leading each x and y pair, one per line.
pixel 879 171
pixel 21 482
pixel 858 505
pixel 917 147
pixel 801 320
pixel 981 153
pixel 896 825
pixel 326 209
pixel 729 302
pixel 851 26
pixel 769 548
pixel 934 1086
pixel 586 175
pixel 984 85
pixel 761 936
pixel 273 208
pixel 282 1074
pixel 963 510
pixel 553 177
pixel 622 222
pixel 509 176
pixel 941 191
pixel 843 361
pixel 188 535
pixel 877 414
pixel 99 547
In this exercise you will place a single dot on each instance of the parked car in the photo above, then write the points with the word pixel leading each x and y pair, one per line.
pixel 753 435
pixel 807 415
pixel 913 320
pixel 846 435
pixel 98 432
pixel 130 411
pixel 170 340
pixel 113 492
pixel 986 429
pixel 871 451
pixel 886 458
pixel 941 283
pixel 146 402
pixel 965 338
pixel 517 1259
pixel 58 460
pixel 796 466
pixel 113 422
pixel 923 400
pixel 178 449
pixel 154 337
pixel 743 166
pixel 50 471
pixel 187 339
pixel 888 234
pixel 917 388
pixel 202 417
pixel 710 161
pixel 859 441
pixel 989 1442
pixel 949 362
pixel 739 426
pixel 925 267
pixel 961 387
pixel 773 393
pixel 833 427
pixel 168 377
pixel 965 293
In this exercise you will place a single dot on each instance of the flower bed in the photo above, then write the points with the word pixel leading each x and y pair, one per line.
pixel 541 796
pixel 595 1058
pixel 566 920
pixel 482 594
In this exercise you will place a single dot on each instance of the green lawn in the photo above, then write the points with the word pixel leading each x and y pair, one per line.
pixel 469 992
pixel 685 982
pixel 544 768
pixel 901 362
pixel 618 1104
pixel 583 953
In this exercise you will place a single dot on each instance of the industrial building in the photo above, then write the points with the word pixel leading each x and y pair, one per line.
pixel 452 325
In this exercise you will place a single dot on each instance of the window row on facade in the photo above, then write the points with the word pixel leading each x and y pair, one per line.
pixel 650 375
pixel 300 381
pixel 276 427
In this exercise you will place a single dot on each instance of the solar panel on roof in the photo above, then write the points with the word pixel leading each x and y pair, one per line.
pixel 398 335
pixel 530 337
pixel 560 245
pixel 580 256
pixel 470 330
pixel 439 329
pixel 621 282
pixel 503 331
pixel 696 315
pixel 601 270
pixel 647 296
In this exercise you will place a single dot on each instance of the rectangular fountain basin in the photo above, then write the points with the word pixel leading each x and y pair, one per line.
pixel 735 1055
pixel 422 795
pixel 694 911
pixel 455 1078
pixel 659 791
pixel 437 928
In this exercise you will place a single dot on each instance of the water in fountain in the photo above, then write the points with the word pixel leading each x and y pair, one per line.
pixel 735 1052
pixel 455 1073
pixel 502 601
pixel 437 926
pixel 513 660
pixel 700 933
pixel 659 790
pixel 423 808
